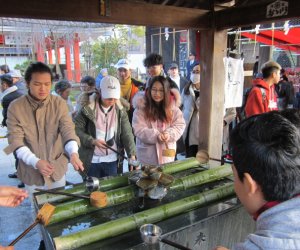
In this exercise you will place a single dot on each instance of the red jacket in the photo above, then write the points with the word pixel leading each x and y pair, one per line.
pixel 256 102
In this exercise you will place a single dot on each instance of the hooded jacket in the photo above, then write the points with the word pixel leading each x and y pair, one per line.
pixel 149 149
pixel 257 103
pixel 276 228
pixel 86 129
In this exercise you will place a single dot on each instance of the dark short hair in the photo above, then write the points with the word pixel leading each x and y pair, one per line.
pixel 153 59
pixel 90 81
pixel 267 146
pixel 269 67
pixel 4 68
pixel 62 85
pixel 6 78
pixel 37 67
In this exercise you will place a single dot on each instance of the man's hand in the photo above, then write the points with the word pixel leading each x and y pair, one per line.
pixel 45 168
pixel 76 162
pixel 7 248
pixel 11 196
pixel 99 143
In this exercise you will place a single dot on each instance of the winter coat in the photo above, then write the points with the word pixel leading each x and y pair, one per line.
pixel 276 228
pixel 7 99
pixel 85 126
pixel 257 103
pixel 149 149
pixel 136 86
pixel 44 127
pixel 191 115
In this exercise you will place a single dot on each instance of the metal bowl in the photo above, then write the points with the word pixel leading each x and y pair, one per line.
pixel 92 184
pixel 150 233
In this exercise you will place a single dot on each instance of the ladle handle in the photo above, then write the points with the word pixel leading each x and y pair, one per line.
pixel 174 244
pixel 63 193
pixel 117 152
pixel 24 233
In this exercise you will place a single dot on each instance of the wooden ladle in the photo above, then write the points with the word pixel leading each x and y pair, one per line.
pixel 168 152
pixel 43 217
pixel 97 199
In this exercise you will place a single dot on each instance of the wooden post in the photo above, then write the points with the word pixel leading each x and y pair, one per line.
pixel 39 52
pixel 76 58
pixel 212 51
pixel 68 60
pixel 50 57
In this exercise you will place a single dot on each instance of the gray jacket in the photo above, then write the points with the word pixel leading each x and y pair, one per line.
pixel 276 228
pixel 191 115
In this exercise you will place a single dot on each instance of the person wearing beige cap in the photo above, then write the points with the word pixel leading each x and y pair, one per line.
pixel 103 121
pixel 18 81
pixel 129 86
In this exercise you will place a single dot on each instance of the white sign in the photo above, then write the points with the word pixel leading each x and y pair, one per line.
pixel 278 8
pixel 234 82
pixel 18 39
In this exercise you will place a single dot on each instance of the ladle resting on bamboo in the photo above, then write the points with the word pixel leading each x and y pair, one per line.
pixel 43 217
pixel 97 198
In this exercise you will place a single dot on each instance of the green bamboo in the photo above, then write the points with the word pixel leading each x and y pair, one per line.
pixel 133 222
pixel 201 178
pixel 109 183
pixel 75 208
pixel 117 196
pixel 181 165
pixel 106 183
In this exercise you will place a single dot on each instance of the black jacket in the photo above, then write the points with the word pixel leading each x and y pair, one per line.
pixel 7 99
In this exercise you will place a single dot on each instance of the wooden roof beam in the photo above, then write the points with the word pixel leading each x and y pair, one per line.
pixel 121 12
pixel 256 14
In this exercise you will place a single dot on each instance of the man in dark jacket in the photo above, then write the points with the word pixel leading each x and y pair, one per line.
pixel 9 93
pixel 178 79
pixel 191 63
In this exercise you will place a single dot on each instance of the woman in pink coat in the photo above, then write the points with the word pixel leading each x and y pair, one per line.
pixel 157 121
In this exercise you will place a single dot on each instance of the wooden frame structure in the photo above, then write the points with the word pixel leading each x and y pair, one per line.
pixel 211 17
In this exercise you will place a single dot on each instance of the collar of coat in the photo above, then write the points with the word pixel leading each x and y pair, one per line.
pixel 35 104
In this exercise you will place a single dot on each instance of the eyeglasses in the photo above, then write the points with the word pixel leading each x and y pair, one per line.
pixel 196 71
pixel 159 91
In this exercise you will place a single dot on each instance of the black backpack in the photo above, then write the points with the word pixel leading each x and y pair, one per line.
pixel 241 111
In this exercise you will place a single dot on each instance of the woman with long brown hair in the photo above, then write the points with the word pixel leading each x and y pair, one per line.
pixel 157 121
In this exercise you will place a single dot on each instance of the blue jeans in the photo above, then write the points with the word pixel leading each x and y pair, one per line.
pixel 103 169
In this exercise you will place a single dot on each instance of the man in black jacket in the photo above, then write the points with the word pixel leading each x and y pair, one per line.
pixel 9 93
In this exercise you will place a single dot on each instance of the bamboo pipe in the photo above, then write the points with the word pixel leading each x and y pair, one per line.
pixel 109 183
pixel 117 196
pixel 133 222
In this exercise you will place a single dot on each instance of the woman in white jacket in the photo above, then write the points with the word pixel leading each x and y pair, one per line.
pixel 190 97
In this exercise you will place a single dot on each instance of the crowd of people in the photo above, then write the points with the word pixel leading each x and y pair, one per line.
pixel 119 115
